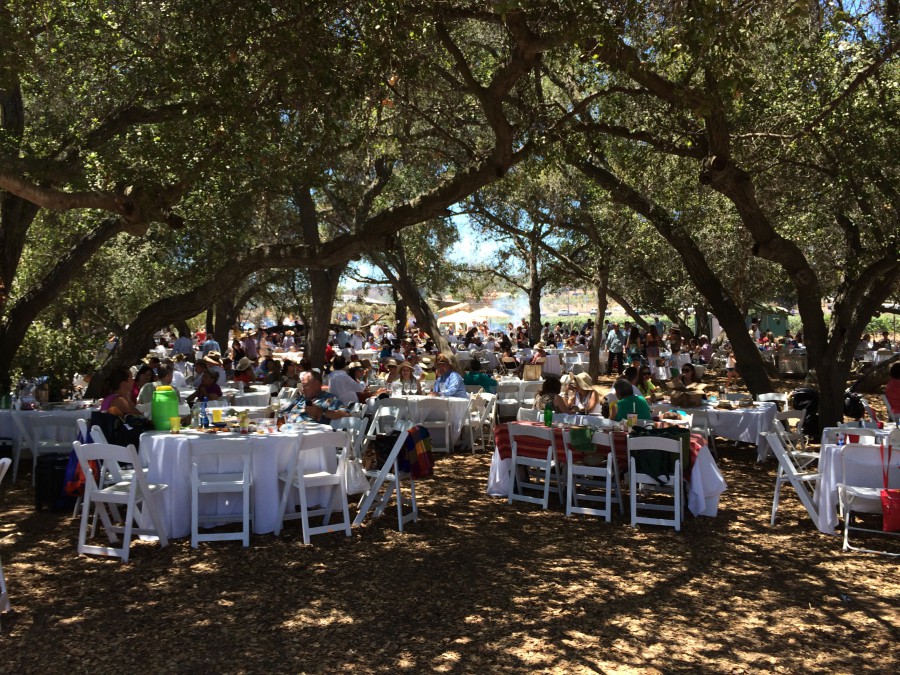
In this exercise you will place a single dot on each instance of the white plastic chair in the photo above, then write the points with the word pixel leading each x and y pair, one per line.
pixel 604 476
pixel 529 415
pixel 138 496
pixel 391 479
pixel 231 482
pixel 5 463
pixel 472 389
pixel 892 416
pixel 640 482
pixel 434 415
pixel 49 434
pixel 508 401
pixel 480 421
pixel 775 398
pixel 700 424
pixel 390 414
pixel 792 468
pixel 542 472
pixel 296 478
pixel 530 392
pixel 860 488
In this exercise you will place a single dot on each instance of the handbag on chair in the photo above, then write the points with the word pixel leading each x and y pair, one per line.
pixel 890 499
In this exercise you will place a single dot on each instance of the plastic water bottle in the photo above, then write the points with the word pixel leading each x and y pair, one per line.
pixel 195 416
pixel 548 415
pixel 840 439
pixel 240 387
pixel 204 415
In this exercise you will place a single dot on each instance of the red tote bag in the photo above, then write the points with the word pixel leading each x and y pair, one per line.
pixel 890 499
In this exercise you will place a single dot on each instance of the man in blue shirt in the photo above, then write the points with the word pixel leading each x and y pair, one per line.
pixel 448 383
pixel 210 345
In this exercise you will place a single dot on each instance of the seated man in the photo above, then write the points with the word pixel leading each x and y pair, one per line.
pixel 313 403
pixel 448 383
pixel 628 403
pixel 208 389
pixel 343 385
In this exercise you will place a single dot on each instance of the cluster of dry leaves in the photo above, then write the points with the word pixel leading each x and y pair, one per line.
pixel 475 585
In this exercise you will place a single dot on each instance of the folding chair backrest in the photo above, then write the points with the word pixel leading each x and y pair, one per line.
pixel 892 416
pixel 774 397
pixel 508 390
pixel 655 456
pixel 862 466
pixel 433 410
pixel 339 440
pixel 472 389
pixel 5 463
pixel 83 433
pixel 529 415
pixel 356 427
pixel 531 390
pixel 858 434
pixel 110 457
pixel 520 431
pixel 97 435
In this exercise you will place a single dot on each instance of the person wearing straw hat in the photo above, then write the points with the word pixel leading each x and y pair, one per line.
pixel 586 396
pixel 448 382
pixel 243 371
pixel 287 344
pixel 428 373
pixel 213 361
pixel 407 379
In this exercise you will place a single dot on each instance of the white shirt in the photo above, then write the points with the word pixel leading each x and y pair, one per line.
pixel 178 380
pixel 345 387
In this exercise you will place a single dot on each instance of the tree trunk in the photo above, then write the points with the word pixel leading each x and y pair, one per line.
pixel 401 314
pixel 225 316
pixel 597 337
pixel 535 286
pixel 324 285
pixel 420 308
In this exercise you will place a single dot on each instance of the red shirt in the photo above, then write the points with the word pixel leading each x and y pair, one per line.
pixel 892 393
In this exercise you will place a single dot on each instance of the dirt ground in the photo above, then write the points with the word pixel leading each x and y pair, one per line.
pixel 476 585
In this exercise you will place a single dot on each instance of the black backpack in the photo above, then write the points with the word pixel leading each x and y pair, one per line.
pixel 853 406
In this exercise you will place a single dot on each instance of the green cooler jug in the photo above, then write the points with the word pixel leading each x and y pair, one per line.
pixel 164 406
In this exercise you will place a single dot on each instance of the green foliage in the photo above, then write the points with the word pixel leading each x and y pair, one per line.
pixel 59 352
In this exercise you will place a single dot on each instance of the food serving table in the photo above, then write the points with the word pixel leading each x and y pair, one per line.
pixel 168 459
pixel 706 481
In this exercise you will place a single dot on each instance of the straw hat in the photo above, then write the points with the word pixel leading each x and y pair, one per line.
pixel 214 358
pixel 152 356
pixel 406 364
pixel 288 332
pixel 441 358
pixel 243 364
pixel 540 345
pixel 353 365
pixel 584 381
pixel 426 362
pixel 392 363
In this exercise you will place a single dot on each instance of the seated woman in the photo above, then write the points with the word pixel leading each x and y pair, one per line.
pixel 550 393
pixel 480 379
pixel 407 378
pixel 645 383
pixel 118 400
pixel 243 372
pixel 586 397
pixel 144 375
pixel 290 377
pixel 165 379
pixel 208 389
pixel 273 372
pixel 688 375
pixel 391 370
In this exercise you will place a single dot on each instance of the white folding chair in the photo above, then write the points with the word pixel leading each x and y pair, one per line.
pixel 669 481
pixel 51 434
pixel 860 488
pixel 529 415
pixel 472 389
pixel 4 595
pixel 892 416
pixel 24 442
pixel 775 398
pixel 391 479
pixel 530 392
pixel 356 427
pixel 233 481
pixel 434 415
pixel 540 470
pixel 484 426
pixel 700 424
pixel 330 478
pixel 792 468
pixel 142 514
pixel 508 401
pixel 591 477
pixel 391 414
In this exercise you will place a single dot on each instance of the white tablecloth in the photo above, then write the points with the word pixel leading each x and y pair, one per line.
pixel 706 483
pixel 252 398
pixel 8 428
pixel 743 424
pixel 459 409
pixel 168 459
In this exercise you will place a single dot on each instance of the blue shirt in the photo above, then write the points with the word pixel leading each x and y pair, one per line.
pixel 324 399
pixel 210 345
pixel 451 384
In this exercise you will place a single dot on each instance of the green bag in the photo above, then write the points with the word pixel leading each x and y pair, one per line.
pixel 657 463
